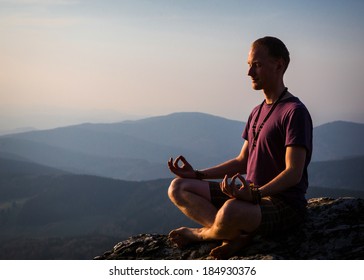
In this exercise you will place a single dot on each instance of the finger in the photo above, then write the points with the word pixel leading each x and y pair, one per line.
pixel 241 179
pixel 233 179
pixel 181 158
pixel 171 163
pixel 232 188
pixel 171 167
pixel 228 189
pixel 224 184
pixel 237 186
pixel 184 161
pixel 176 162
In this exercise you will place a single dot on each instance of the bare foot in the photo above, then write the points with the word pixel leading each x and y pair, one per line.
pixel 184 236
pixel 229 248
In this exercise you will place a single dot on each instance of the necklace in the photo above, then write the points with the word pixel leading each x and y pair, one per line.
pixel 255 133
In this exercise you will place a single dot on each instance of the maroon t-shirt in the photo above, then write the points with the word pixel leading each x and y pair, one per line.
pixel 289 124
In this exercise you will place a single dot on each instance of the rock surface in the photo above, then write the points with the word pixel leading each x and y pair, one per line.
pixel 334 229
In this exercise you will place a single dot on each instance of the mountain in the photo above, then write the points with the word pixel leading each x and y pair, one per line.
pixel 76 216
pixel 139 150
pixel 17 130
pixel 338 140
pixel 50 202
pixel 338 174
pixel 52 209
pixel 80 163
pixel 154 139
pixel 133 150
pixel 20 167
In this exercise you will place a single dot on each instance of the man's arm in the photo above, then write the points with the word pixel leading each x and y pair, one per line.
pixel 230 167
pixel 295 162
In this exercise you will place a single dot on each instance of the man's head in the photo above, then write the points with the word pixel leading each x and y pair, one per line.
pixel 276 48
pixel 268 60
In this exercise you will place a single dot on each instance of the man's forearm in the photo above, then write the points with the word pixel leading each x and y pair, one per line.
pixel 295 160
pixel 230 168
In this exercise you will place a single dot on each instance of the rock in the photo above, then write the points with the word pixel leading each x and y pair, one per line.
pixel 333 230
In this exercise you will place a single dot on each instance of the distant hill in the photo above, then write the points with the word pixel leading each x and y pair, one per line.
pixel 53 209
pixel 314 192
pixel 80 163
pixel 153 139
pixel 51 203
pixel 139 150
pixel 338 174
pixel 133 150
pixel 17 130
pixel 17 167
pixel 63 186
pixel 338 140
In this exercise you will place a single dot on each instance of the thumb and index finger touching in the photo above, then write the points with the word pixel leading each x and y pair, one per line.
pixel 175 166
pixel 241 179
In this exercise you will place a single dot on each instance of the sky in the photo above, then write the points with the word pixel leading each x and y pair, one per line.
pixel 66 62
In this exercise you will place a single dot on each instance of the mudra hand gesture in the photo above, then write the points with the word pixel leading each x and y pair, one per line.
pixel 183 171
pixel 238 191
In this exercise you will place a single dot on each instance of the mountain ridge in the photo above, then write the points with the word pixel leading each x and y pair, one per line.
pixel 52 197
pixel 139 149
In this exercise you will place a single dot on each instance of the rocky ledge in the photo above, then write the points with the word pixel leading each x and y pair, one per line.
pixel 333 230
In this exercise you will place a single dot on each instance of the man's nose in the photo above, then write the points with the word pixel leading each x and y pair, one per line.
pixel 250 72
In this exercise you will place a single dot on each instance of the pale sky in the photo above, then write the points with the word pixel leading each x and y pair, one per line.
pixel 66 62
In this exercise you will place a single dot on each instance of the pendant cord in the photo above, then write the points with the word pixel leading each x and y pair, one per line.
pixel 256 134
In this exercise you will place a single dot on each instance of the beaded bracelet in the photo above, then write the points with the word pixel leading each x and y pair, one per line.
pixel 199 175
pixel 256 195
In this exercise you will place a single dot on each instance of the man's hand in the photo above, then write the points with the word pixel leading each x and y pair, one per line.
pixel 183 171
pixel 241 192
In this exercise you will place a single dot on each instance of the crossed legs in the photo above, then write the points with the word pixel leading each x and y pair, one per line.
pixel 231 223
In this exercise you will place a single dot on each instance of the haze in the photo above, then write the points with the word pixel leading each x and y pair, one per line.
pixel 65 62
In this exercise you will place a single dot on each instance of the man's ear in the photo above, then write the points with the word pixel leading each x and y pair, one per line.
pixel 280 65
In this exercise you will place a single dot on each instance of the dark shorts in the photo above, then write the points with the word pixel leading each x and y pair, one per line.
pixel 277 216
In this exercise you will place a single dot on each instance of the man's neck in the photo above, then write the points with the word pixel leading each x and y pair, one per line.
pixel 272 95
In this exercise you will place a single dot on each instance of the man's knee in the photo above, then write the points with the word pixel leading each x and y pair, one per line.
pixel 181 188
pixel 175 189
pixel 228 212
pixel 238 213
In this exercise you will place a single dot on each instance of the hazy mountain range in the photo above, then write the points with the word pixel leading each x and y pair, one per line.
pixel 139 150
pixel 52 204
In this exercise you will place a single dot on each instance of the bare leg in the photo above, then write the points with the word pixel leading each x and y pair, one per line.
pixel 193 198
pixel 234 217
pixel 185 236
pixel 230 247
pixel 231 220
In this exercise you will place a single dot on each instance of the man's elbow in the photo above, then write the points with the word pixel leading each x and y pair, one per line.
pixel 296 176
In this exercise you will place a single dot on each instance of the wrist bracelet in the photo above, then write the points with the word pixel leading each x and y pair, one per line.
pixel 256 195
pixel 199 175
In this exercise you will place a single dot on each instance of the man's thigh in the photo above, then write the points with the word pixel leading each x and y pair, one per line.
pixel 217 197
pixel 277 216
pixel 198 187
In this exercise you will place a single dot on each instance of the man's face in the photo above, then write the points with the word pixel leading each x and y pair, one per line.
pixel 262 68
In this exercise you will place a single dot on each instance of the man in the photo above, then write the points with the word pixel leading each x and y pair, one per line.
pixel 274 157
